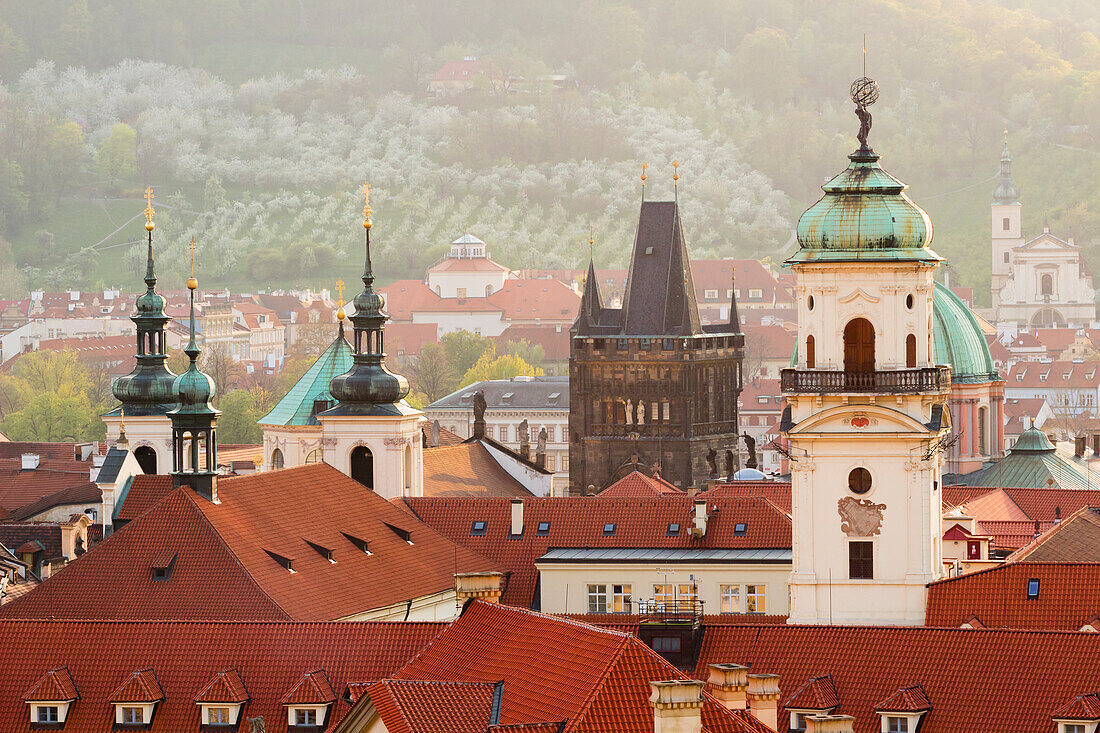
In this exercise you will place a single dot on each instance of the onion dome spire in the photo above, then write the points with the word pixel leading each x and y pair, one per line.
pixel 1005 192
pixel 195 419
pixel 147 390
pixel 369 387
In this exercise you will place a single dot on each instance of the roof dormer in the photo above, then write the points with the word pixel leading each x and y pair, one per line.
pixel 136 700
pixel 902 711
pixel 309 703
pixel 222 699
pixel 50 697
pixel 817 697
pixel 1079 715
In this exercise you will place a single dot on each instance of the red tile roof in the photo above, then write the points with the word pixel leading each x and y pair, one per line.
pixel 554 669
pixel 55 451
pixel 313 689
pixel 408 706
pixel 56 685
pixel 467 469
pixel 146 491
pixel 637 485
pixel 579 522
pixel 1054 375
pixel 553 338
pixel 19 486
pixel 270 657
pixel 32 537
pixel 548 300
pixel 819 693
pixel 1081 707
pixel 1075 539
pixel 906 700
pixel 777 492
pixel 407 339
pixel 467 264
pixel 1069 595
pixel 226 686
pixel 987 680
pixel 224 569
pixel 770 342
pixel 86 493
pixel 406 297
pixel 140 686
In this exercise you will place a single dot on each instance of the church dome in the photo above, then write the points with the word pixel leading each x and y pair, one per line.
pixel 1033 440
pixel 864 215
pixel 958 340
pixel 194 389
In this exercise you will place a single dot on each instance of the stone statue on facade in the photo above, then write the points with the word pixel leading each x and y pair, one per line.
pixel 541 448
pixel 479 406
pixel 750 446
pixel 435 433
pixel 712 462
pixel 524 433
pixel 729 465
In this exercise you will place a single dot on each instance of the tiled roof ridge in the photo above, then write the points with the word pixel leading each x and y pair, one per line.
pixel 212 622
pixel 226 679
pixel 1036 542
pixel 60 679
pixel 912 698
pixel 148 688
pixel 1002 566
pixel 760 628
pixel 808 686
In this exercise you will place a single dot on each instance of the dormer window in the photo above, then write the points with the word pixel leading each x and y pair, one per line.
pixel 221 701
pixel 897 724
pixel 136 700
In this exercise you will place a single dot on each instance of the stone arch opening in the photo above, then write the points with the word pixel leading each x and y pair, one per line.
pixel 146 458
pixel 362 466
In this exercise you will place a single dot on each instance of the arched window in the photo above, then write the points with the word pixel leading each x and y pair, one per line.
pixel 811 356
pixel 1046 285
pixel 488 290
pixel 146 458
pixel 314 456
pixel 362 466
pixel 408 468
pixel 983 420
pixel 277 459
pixel 859 347
pixel 911 351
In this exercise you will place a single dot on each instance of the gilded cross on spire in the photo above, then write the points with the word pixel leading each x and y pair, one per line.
pixel 149 225
pixel 340 291
pixel 367 210
pixel 192 283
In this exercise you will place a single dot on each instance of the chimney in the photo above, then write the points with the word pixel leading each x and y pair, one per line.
pixel 517 517
pixel 1096 442
pixel 727 683
pixel 1079 446
pixel 763 698
pixel 30 461
pixel 677 706
pixel 484 585
pixel 830 724
pixel 700 529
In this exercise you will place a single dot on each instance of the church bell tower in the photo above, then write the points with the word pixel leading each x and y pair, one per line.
pixel 1005 226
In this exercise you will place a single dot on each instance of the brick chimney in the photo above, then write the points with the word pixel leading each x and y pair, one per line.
pixel 485 586
pixel 830 724
pixel 727 683
pixel 763 698
pixel 677 706
pixel 1079 446
pixel 517 517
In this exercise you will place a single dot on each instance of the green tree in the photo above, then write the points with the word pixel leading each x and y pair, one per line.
pixel 490 366
pixel 52 418
pixel 533 354
pixel 237 423
pixel 432 376
pixel 463 349
pixel 117 155
pixel 13 198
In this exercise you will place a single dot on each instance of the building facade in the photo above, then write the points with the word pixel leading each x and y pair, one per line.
pixel 648 384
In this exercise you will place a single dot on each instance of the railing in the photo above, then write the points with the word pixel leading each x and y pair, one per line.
pixel 673 610
pixel 926 379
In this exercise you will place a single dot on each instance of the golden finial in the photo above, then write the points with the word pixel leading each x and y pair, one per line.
pixel 367 210
pixel 340 294
pixel 675 172
pixel 192 282
pixel 643 175
pixel 122 425
pixel 591 230
pixel 149 225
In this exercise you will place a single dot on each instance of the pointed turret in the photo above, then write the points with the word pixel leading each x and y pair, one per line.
pixel 1005 192
pixel 735 318
pixel 591 308
pixel 194 443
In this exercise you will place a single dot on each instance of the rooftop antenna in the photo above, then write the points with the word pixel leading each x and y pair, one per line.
pixel 643 182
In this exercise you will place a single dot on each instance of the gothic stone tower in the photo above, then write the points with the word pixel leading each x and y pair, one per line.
pixel 867 405
pixel 649 387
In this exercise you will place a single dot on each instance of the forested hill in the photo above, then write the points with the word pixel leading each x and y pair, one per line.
pixel 256 119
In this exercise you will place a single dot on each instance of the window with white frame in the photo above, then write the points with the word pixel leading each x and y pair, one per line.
pixel 897 724
pixel 305 717
pixel 219 716
pixel 798 721
pixel 754 599
pixel 620 598
pixel 132 714
pixel 756 293
pixel 731 598
pixel 597 598
pixel 48 714
pixel 1072 728
pixel 663 593
pixel 565 461
pixel 710 294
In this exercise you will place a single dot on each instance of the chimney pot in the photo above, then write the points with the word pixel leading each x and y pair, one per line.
pixel 728 683
pixel 830 724
pixel 677 706
pixel 763 698
pixel 517 517
pixel 484 585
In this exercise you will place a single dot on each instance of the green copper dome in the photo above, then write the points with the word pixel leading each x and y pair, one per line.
pixel 1033 440
pixel 957 339
pixel 297 408
pixel 864 215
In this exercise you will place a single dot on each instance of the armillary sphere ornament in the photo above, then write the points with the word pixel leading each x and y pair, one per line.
pixel 864 93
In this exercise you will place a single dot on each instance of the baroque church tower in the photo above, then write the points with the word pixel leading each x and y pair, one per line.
pixel 1006 230
pixel 867 408
pixel 146 394
pixel 650 388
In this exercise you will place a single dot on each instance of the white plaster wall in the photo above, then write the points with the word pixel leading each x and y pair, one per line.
pixel 475 283
pixel 387 438
pixel 486 324
pixel 154 431
pixel 296 442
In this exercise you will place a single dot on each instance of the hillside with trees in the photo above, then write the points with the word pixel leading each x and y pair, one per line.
pixel 256 134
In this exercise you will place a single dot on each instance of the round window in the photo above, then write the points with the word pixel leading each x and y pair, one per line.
pixel 810 302
pixel 909 301
pixel 859 481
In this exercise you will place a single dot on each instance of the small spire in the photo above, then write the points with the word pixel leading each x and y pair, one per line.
pixel 368 274
pixel 643 181
pixel 676 180
pixel 591 250
pixel 121 441
pixel 149 225
pixel 192 349
pixel 340 315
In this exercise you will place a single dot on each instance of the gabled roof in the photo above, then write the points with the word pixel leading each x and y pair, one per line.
pixel 1075 539
pixel 408 706
pixel 312 689
pixel 140 686
pixel 660 297
pixel 906 700
pixel 607 672
pixel 819 693
pixel 224 569
pixel 87 494
pixel 23 535
pixel 56 685
pixel 296 408
pixel 1081 707
pixel 467 469
pixel 637 485
pixel 226 686
pixel 20 487
pixel 547 393
pixel 145 492
pixel 1068 596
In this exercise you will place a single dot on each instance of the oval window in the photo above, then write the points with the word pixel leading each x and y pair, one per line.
pixel 859 480
pixel 909 301
pixel 810 302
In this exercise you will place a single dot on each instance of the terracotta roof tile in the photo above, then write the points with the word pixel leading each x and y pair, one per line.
pixel 140 686
pixel 1081 707
pixel 906 700
pixel 86 493
pixel 819 693
pixel 146 491
pixel 636 485
pixel 467 469
pixel 226 686
pixel 1075 539
pixel 579 522
pixel 312 689
pixel 56 685
pixel 407 706
pixel 777 492
pixel 19 487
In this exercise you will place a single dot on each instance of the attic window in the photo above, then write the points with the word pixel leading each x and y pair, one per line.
pixel 286 562
pixel 609 530
pixel 1032 589
pixel 507 396
pixel 673 529
pixel 649 250
pixel 543 528
pixel 321 550
pixel 362 544
pixel 1020 377
pixel 553 396
pixel 162 566
pixel 402 533
pixel 740 529
pixel 478 528
pixel 756 293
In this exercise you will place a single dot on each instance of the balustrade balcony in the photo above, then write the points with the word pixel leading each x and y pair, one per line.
pixel 896 381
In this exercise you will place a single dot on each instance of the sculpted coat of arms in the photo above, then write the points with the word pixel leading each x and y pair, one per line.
pixel 860 517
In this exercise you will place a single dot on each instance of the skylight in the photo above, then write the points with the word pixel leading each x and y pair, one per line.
pixel 608 529
pixel 543 528
pixel 478 528
pixel 740 529
pixel 1033 588
pixel 673 529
